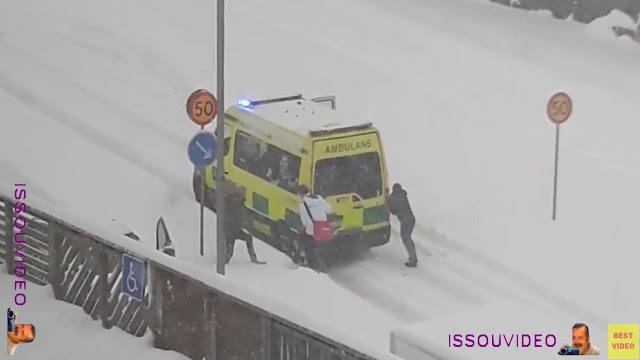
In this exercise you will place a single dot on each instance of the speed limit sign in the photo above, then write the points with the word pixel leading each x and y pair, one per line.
pixel 559 108
pixel 202 107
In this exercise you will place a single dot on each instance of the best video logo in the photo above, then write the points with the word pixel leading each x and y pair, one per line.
pixel 623 341
pixel 18 333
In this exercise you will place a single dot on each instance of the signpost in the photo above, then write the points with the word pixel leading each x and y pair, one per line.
pixel 202 152
pixel 133 277
pixel 559 109
pixel 220 171
pixel 202 108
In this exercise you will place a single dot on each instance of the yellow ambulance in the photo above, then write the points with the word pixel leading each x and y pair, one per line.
pixel 274 145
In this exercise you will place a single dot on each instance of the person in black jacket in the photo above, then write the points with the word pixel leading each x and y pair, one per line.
pixel 234 220
pixel 399 206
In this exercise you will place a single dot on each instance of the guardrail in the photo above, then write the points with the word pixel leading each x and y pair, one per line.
pixel 184 314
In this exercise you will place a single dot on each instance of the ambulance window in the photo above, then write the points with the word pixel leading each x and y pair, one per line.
pixel 360 174
pixel 283 168
pixel 266 161
pixel 248 154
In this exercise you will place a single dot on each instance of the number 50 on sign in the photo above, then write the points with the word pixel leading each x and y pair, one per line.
pixel 202 107
pixel 559 109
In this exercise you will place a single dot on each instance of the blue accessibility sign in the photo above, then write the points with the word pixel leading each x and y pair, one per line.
pixel 202 149
pixel 133 277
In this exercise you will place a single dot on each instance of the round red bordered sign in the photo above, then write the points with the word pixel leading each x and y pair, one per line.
pixel 202 107
pixel 559 108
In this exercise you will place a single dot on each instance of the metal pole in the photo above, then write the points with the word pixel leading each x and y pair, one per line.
pixel 220 171
pixel 202 180
pixel 555 173
pixel 211 327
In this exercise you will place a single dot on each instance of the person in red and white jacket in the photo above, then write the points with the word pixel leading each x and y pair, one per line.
pixel 319 209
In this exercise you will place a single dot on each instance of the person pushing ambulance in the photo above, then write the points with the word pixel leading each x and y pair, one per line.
pixel 316 231
pixel 400 207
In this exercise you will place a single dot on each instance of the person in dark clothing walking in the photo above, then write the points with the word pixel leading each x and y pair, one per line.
pixel 234 221
pixel 399 206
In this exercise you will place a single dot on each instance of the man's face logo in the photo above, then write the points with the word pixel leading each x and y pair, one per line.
pixel 580 339
pixel 22 333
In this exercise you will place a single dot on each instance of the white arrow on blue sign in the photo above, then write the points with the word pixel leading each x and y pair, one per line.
pixel 202 149
pixel 133 277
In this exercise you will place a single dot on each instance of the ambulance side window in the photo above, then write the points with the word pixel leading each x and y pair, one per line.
pixel 266 161
pixel 283 168
pixel 247 154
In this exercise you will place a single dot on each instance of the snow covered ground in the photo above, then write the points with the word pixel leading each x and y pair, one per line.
pixel 65 332
pixel 92 100
pixel 512 332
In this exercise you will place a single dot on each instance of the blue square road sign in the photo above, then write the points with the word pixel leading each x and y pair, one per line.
pixel 133 277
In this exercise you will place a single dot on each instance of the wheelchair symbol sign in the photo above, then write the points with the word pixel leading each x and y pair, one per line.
pixel 133 277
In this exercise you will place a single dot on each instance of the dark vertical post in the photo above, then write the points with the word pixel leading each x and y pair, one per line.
pixel 555 172
pixel 202 209
pixel 102 261
pixel 210 326
pixel 266 337
pixel 220 170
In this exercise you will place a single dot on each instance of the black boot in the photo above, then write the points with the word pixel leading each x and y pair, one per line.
pixel 411 263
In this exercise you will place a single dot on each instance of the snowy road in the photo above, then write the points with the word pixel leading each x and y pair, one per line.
pixel 95 97
pixel 450 277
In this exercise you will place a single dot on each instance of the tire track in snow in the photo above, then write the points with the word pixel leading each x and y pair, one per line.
pixel 448 286
pixel 181 185
pixel 488 279
pixel 408 294
pixel 350 278
pixel 119 148
pixel 500 270
pixel 496 286
pixel 144 54
pixel 126 115
pixel 363 278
